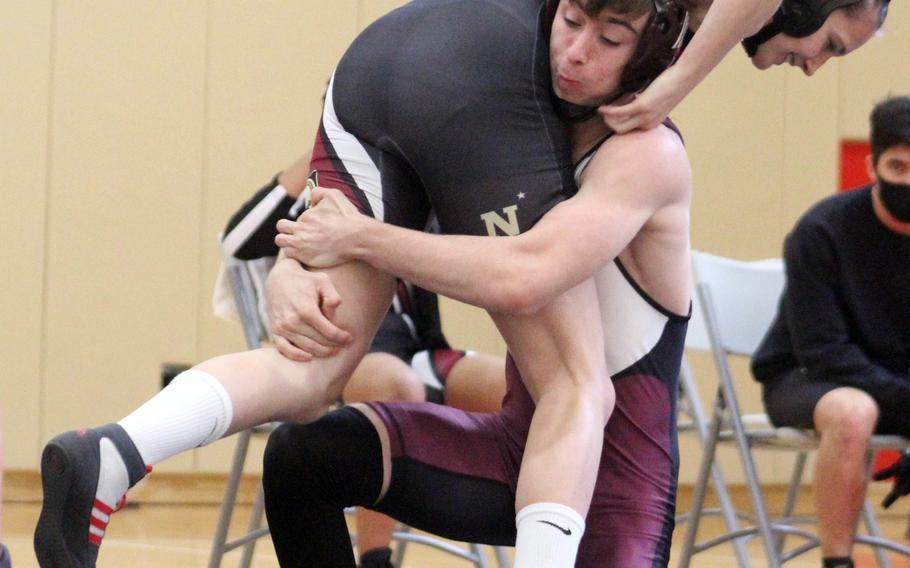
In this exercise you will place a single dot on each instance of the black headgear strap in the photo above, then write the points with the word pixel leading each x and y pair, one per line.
pixel 795 18
pixel 658 47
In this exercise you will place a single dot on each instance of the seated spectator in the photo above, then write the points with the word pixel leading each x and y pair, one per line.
pixel 837 358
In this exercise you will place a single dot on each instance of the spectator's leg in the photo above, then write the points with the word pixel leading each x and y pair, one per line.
pixel 845 418
pixel 476 383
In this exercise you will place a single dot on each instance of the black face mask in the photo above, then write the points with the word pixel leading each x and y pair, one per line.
pixel 895 198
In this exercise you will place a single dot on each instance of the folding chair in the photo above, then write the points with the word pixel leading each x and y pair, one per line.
pixel 692 419
pixel 243 278
pixel 246 279
pixel 738 301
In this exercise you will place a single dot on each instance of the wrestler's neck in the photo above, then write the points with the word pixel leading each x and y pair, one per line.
pixel 585 135
pixel 885 216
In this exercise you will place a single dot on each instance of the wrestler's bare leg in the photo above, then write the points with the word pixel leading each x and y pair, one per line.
pixel 86 473
pixel 559 352
pixel 264 385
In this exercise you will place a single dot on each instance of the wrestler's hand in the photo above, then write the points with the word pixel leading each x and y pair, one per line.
pixel 900 471
pixel 649 108
pixel 325 234
pixel 301 307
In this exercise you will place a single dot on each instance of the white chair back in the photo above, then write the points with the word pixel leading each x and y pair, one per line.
pixel 744 296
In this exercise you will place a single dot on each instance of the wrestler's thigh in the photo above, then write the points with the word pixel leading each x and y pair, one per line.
pixel 377 180
pixel 449 475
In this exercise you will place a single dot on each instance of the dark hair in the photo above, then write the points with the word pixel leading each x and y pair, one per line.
pixel 890 125
pixel 630 8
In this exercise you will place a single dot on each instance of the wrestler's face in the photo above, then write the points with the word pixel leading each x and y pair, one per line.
pixel 841 33
pixel 587 54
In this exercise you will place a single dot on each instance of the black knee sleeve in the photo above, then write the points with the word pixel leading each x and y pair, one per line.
pixel 337 459
pixel 311 473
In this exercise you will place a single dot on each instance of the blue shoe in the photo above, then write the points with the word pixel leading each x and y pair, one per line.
pixel 69 532
pixel 5 560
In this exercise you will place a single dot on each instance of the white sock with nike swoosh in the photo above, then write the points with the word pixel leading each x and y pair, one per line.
pixel 548 536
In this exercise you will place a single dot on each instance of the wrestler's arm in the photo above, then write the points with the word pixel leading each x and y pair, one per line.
pixel 630 178
pixel 725 24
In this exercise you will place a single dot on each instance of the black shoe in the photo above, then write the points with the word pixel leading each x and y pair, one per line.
pixel 5 560
pixel 377 558
pixel 67 535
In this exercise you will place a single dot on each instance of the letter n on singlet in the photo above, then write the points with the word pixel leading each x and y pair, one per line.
pixel 507 226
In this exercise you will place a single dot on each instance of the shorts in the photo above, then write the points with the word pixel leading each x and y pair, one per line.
pixel 790 400
pixel 455 473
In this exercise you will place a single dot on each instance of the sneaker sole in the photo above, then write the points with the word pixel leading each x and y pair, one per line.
pixel 58 510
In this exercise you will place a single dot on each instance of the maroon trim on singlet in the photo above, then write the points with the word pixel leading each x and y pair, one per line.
pixel 329 171
pixel 443 360
pixel 412 426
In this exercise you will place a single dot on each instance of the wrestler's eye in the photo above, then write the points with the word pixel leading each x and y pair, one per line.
pixel 835 49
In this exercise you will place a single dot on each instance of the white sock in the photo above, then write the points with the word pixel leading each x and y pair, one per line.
pixel 192 411
pixel 548 536
pixel 113 481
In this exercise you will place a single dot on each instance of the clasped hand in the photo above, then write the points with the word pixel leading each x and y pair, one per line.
pixel 325 235
pixel 302 304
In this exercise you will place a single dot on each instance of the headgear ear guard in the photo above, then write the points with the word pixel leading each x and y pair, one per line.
pixel 659 45
pixel 795 18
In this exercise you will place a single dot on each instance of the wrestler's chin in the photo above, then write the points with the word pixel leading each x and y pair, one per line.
pixel 570 95
pixel 760 63
pixel 575 100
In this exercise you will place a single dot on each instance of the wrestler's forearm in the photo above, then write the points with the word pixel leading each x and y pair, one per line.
pixel 501 274
pixel 482 271
pixel 726 23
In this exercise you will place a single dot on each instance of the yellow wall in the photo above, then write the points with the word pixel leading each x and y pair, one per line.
pixel 132 129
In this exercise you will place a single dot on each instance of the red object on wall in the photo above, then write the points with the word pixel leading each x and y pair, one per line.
pixel 853 164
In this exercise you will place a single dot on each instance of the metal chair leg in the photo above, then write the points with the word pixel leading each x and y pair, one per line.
pixel 481 558
pixel 402 545
pixel 739 433
pixel 758 500
pixel 254 525
pixel 230 499
pixel 502 557
pixel 701 484
pixel 728 511
pixel 881 555
pixel 796 479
